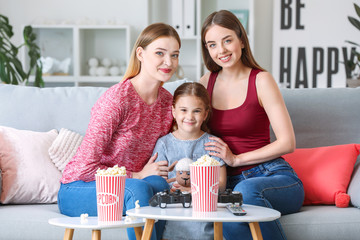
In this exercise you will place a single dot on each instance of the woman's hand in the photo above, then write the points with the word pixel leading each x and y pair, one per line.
pixel 153 168
pixel 219 148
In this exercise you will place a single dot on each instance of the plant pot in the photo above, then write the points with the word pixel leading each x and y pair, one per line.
pixel 352 83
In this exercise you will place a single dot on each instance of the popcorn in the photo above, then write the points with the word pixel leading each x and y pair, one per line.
pixel 129 218
pixel 206 160
pixel 84 218
pixel 137 205
pixel 115 170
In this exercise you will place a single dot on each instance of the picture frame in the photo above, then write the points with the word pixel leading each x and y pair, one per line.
pixel 243 16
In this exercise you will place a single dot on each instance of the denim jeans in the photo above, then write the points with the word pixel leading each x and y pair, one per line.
pixel 79 197
pixel 272 184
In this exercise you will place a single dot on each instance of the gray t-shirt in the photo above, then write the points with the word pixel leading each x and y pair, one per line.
pixel 172 149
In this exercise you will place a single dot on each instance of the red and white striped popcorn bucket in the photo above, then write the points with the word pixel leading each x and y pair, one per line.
pixel 110 197
pixel 204 187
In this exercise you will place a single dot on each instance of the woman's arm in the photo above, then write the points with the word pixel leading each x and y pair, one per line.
pixel 271 99
pixel 222 180
pixel 153 168
pixel 157 164
pixel 103 123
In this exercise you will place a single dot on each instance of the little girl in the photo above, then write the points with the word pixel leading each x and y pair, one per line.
pixel 191 111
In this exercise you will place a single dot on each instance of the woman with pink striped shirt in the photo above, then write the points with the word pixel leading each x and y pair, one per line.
pixel 125 124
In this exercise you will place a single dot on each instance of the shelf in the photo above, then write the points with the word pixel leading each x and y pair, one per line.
pixel 80 43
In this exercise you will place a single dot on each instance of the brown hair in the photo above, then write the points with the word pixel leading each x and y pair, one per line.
pixel 227 20
pixel 194 89
pixel 147 36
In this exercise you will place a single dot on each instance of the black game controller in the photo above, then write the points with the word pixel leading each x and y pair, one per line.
pixel 229 196
pixel 165 197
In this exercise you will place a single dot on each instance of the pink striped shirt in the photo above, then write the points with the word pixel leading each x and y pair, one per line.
pixel 123 130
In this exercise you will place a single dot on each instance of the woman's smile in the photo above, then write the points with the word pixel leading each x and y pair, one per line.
pixel 225 58
pixel 166 70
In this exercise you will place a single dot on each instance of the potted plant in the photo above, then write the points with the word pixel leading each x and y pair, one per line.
pixel 353 65
pixel 11 68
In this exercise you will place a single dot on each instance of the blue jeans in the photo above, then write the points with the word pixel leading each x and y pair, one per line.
pixel 79 197
pixel 272 184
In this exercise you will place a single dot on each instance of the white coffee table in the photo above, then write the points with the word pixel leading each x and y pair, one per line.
pixel 176 212
pixel 70 223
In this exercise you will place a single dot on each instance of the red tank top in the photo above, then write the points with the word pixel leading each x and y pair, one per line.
pixel 244 128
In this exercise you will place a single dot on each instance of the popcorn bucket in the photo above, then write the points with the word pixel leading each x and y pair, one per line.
pixel 204 187
pixel 110 197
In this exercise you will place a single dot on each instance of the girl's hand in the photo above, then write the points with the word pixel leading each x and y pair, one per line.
pixel 220 149
pixel 153 168
pixel 176 186
pixel 171 180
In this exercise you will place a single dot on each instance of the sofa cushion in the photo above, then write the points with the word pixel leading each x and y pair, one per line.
pixel 171 86
pixel 64 147
pixel 28 175
pixel 354 187
pixel 43 109
pixel 324 171
pixel 322 222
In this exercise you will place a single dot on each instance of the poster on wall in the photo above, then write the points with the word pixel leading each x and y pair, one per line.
pixel 309 42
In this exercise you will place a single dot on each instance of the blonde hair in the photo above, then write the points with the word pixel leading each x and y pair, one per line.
pixel 198 90
pixel 147 36
pixel 226 19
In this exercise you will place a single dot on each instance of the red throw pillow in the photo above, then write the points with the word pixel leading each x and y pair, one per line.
pixel 325 172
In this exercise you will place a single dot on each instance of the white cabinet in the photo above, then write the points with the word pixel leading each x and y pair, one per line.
pixel 79 43
pixel 182 13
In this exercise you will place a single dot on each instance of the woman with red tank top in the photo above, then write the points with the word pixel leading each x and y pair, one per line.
pixel 245 101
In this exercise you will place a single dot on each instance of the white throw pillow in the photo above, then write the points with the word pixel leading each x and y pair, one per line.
pixel 64 147
pixel 28 175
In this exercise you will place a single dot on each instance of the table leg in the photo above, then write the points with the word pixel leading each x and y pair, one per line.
pixel 69 233
pixel 138 232
pixel 218 231
pixel 96 235
pixel 255 231
pixel 148 228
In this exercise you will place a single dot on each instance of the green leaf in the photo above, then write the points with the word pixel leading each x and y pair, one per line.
pixel 357 9
pixel 38 77
pixel 11 69
pixel 5 27
pixel 354 22
pixel 3 70
pixel 34 55
pixel 353 43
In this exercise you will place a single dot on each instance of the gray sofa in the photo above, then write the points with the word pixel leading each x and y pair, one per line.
pixel 321 117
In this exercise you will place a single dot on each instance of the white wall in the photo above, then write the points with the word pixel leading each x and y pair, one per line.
pixel 133 12
pixel 263 37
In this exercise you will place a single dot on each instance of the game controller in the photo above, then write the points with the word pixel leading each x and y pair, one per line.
pixel 229 196
pixel 165 197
